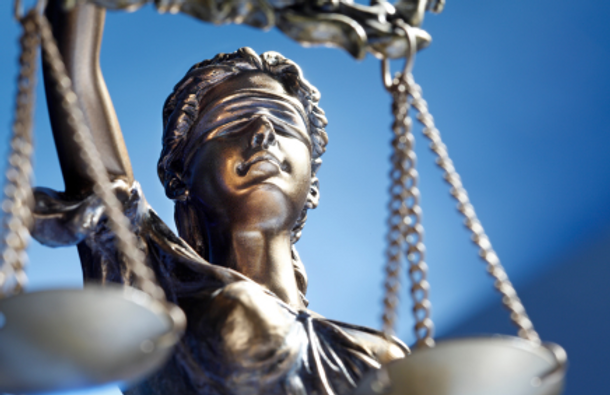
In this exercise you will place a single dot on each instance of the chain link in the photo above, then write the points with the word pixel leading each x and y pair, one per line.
pixel 406 233
pixel 396 230
pixel 509 296
pixel 17 193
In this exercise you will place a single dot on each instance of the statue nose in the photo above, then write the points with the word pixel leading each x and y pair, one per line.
pixel 264 134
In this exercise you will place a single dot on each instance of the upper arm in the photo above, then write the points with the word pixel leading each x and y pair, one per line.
pixel 79 34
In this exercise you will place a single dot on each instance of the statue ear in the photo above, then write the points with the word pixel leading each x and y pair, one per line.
pixel 313 198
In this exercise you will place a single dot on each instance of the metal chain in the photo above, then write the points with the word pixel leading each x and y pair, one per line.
pixel 126 243
pixel 17 199
pixel 405 228
pixel 402 87
pixel 509 296
pixel 396 230
pixel 406 233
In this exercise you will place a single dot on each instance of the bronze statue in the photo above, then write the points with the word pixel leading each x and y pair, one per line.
pixel 243 136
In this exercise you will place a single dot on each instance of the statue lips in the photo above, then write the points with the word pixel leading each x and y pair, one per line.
pixel 263 164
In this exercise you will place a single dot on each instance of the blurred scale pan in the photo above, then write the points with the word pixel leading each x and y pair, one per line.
pixel 501 365
pixel 69 339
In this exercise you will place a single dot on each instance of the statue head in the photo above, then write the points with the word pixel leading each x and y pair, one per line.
pixel 208 111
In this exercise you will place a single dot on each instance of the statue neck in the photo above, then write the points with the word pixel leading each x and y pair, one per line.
pixel 263 256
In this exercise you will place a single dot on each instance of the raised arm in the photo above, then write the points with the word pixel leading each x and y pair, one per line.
pixel 79 35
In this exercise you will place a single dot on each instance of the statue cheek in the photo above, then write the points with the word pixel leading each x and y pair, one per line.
pixel 301 170
pixel 301 166
pixel 213 174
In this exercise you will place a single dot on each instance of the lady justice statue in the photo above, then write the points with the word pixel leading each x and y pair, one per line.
pixel 242 141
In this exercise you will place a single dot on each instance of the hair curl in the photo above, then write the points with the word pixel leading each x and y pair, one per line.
pixel 181 112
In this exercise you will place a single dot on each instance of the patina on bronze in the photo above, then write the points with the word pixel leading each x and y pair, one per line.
pixel 242 143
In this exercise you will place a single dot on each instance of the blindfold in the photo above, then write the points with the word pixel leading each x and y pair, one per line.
pixel 232 113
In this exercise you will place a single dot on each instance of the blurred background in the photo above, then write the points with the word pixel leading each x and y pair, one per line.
pixel 519 91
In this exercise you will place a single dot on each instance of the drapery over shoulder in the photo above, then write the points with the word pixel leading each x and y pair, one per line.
pixel 298 352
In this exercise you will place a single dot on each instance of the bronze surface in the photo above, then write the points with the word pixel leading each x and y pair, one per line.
pixel 242 144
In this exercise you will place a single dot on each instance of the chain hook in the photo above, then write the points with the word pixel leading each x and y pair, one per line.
pixel 388 81
pixel 18 9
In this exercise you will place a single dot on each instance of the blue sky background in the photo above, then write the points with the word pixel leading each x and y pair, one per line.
pixel 519 91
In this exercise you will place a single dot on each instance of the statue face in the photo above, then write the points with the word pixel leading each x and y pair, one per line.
pixel 253 163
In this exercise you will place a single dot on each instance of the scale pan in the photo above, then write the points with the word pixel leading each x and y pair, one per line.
pixel 501 365
pixel 69 339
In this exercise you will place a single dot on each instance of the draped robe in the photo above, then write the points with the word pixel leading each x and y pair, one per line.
pixel 240 338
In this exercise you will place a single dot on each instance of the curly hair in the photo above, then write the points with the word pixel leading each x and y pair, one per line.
pixel 182 110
